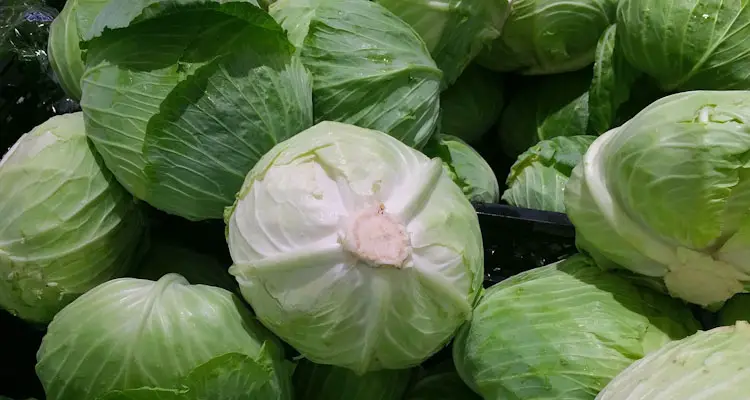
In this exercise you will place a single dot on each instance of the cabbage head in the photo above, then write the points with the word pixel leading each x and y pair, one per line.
pixel 563 331
pixel 688 44
pixel 356 249
pixel 139 339
pixel 545 107
pixel 708 365
pixel 473 104
pixel 325 382
pixel 667 195
pixel 369 68
pixel 549 36
pixel 466 167
pixel 182 98
pixel 537 179
pixel 455 31
pixel 68 225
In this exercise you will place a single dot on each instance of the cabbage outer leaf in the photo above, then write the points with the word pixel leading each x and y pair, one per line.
pixel 370 68
pixel 467 168
pixel 689 44
pixel 182 98
pixel 537 179
pixel 232 376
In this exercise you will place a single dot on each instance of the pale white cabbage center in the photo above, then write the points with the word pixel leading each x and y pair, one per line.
pixel 356 249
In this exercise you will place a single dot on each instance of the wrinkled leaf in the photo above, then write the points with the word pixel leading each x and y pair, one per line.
pixel 613 80
pixel 538 177
pixel 370 68
pixel 150 109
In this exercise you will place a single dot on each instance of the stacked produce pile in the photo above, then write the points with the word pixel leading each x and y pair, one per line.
pixel 273 200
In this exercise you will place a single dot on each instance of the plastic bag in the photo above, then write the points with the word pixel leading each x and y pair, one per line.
pixel 29 92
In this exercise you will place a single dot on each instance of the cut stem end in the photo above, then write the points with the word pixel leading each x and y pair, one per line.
pixel 377 238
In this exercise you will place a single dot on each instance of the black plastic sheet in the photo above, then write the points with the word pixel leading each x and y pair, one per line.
pixel 517 239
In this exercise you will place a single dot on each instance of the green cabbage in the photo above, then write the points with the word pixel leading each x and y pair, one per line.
pixel 182 98
pixel 370 68
pixel 466 167
pixel 537 179
pixel 549 36
pixel 67 225
pixel 139 339
pixel 563 331
pixel 707 365
pixel 667 195
pixel 688 44
pixel 356 249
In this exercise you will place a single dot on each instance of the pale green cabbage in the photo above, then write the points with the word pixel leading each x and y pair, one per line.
pixel 667 195
pixel 370 69
pixel 67 224
pixel 356 249
pixel 131 339
pixel 707 365
pixel 563 331
pixel 182 99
